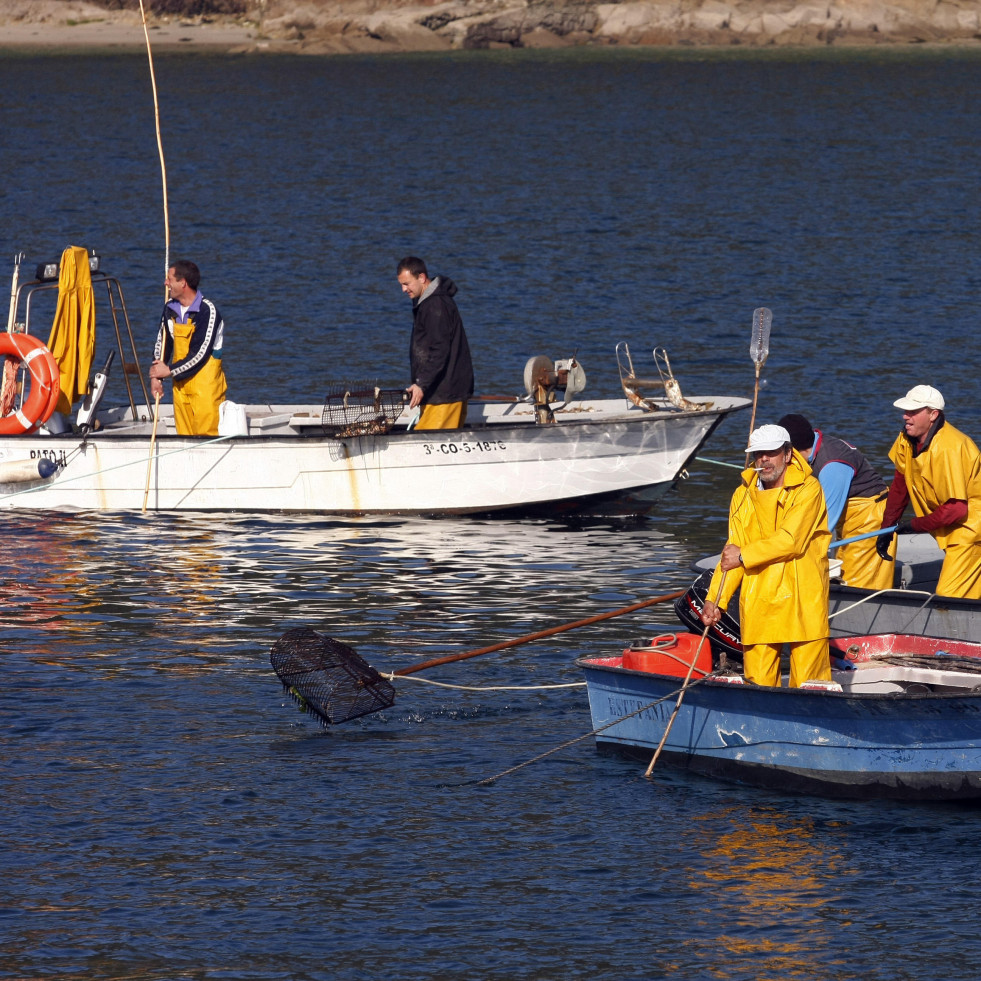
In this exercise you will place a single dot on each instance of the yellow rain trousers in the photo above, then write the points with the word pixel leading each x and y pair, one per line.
pixel 861 566
pixel 72 340
pixel 783 537
pixel 196 400
pixel 950 468
pixel 452 415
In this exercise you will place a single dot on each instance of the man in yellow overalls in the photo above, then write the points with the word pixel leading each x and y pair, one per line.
pixel 188 351
pixel 778 554
pixel 938 471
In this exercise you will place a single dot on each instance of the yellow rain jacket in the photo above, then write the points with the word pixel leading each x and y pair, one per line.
pixel 949 468
pixel 783 537
pixel 72 340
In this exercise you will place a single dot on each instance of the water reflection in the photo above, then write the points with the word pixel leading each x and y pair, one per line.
pixel 199 589
pixel 775 881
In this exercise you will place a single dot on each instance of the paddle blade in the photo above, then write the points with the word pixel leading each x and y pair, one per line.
pixel 327 677
pixel 759 344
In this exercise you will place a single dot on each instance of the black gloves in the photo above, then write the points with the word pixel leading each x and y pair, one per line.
pixel 905 529
pixel 882 547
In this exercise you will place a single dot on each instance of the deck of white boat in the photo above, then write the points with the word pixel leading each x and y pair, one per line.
pixel 307 419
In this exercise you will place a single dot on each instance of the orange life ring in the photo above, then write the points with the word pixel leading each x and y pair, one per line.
pixel 45 383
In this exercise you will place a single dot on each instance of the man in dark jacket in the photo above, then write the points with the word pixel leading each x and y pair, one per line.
pixel 439 356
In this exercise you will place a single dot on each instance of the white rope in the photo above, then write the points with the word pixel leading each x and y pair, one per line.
pixel 881 592
pixel 442 684
pixel 57 481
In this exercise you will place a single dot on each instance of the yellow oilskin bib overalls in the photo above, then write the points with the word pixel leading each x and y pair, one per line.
pixel 783 537
pixel 196 400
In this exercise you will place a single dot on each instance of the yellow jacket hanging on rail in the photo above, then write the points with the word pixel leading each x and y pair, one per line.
pixel 72 340
pixel 783 537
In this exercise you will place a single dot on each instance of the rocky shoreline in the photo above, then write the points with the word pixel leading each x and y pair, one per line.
pixel 330 27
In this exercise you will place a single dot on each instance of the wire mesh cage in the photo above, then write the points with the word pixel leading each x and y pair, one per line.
pixel 327 677
pixel 361 409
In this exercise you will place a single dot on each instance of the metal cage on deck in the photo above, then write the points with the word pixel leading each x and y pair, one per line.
pixel 361 409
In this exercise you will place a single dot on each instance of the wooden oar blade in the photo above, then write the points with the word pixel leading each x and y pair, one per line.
pixel 327 677
pixel 759 343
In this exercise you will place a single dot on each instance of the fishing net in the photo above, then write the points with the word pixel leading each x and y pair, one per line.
pixel 327 677
pixel 362 409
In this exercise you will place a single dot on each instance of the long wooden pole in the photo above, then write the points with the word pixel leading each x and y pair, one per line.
pixel 539 634
pixel 163 165
pixel 153 441
pixel 166 220
pixel 685 685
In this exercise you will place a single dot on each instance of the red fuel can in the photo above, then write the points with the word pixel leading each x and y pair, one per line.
pixel 671 654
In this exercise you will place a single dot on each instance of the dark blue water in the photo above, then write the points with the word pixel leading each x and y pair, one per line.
pixel 168 814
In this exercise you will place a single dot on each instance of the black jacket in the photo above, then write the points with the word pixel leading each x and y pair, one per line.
pixel 439 356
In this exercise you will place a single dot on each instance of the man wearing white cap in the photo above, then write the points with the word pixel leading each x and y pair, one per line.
pixel 938 470
pixel 778 554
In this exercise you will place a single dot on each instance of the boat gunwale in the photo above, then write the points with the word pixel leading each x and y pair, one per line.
pixel 592 663
pixel 627 417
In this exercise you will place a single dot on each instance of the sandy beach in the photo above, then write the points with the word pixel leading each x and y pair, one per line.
pixel 53 25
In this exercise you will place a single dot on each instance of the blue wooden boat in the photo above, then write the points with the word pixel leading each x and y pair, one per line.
pixel 901 718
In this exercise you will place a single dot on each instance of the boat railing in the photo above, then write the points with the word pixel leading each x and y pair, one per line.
pixel 125 341
pixel 652 394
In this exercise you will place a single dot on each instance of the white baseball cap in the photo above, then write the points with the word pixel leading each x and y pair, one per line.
pixel 920 397
pixel 768 438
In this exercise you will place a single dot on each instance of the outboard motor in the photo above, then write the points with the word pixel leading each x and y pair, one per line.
pixel 86 411
pixel 722 636
pixel 545 379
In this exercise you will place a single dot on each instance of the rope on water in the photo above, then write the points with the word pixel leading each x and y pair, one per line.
pixel 442 684
pixel 578 739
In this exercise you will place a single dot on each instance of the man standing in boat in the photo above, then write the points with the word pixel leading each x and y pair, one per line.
pixel 188 350
pixel 855 495
pixel 777 556
pixel 439 356
pixel 938 469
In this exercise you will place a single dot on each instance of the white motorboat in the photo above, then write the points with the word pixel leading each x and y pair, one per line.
pixel 357 452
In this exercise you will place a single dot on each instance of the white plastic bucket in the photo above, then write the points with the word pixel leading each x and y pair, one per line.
pixel 232 420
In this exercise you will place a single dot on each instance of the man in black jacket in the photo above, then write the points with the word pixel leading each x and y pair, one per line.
pixel 439 356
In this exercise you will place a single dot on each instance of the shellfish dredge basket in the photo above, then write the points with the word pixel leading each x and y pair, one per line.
pixel 362 409
pixel 327 677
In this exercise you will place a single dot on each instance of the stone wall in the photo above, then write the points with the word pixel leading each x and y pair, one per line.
pixel 367 24
pixel 338 26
